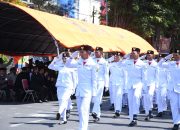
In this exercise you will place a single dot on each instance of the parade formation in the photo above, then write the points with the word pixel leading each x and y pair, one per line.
pixel 132 79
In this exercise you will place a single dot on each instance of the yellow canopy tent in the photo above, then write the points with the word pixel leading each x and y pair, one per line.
pixel 72 32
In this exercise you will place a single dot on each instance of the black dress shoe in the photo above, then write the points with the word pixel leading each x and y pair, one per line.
pixel 57 116
pixel 133 123
pixel 147 118
pixel 160 114
pixel 94 115
pixel 117 114
pixel 62 122
pixel 175 127
pixel 97 119
pixel 151 116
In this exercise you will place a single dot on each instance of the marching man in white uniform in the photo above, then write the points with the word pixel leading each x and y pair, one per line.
pixel 135 79
pixel 111 60
pixel 174 87
pixel 117 79
pixel 87 83
pixel 66 84
pixel 102 82
pixel 162 83
pixel 150 84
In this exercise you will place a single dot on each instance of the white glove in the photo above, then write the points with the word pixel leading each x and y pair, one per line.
pixel 111 59
pixel 57 58
pixel 127 56
pixel 168 57
pixel 75 54
pixel 142 57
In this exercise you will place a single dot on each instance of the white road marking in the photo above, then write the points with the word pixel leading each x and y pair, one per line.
pixel 36 121
pixel 19 124
pixel 40 115
pixel 16 125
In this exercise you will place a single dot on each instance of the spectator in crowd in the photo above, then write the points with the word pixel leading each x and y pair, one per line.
pixel 18 88
pixel 38 84
pixel 12 77
pixel 50 83
pixel 11 82
pixel 4 83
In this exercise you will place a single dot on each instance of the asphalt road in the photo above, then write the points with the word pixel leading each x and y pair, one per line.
pixel 41 116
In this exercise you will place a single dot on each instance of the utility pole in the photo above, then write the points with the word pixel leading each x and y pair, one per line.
pixel 93 14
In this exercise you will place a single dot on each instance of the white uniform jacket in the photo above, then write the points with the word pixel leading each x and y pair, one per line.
pixel 151 73
pixel 162 77
pixel 66 79
pixel 174 76
pixel 117 74
pixel 135 73
pixel 103 70
pixel 87 76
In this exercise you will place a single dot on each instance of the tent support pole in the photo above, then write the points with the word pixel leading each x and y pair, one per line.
pixel 56 44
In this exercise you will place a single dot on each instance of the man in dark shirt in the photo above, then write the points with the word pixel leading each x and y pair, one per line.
pixel 38 83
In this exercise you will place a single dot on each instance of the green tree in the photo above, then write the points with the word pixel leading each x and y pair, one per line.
pixel 147 18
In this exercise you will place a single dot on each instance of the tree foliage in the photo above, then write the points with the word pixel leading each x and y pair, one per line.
pixel 146 17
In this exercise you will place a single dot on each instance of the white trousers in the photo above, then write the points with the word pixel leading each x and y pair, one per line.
pixel 111 93
pixel 148 98
pixel 98 98
pixel 134 96
pixel 161 99
pixel 175 106
pixel 63 102
pixel 83 105
pixel 118 93
pixel 69 106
